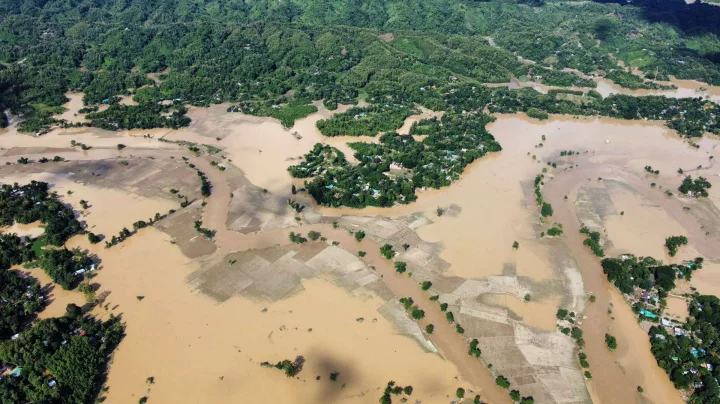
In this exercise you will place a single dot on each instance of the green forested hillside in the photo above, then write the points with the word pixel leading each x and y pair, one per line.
pixel 256 50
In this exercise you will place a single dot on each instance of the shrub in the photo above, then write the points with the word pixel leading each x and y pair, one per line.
pixel 583 360
pixel 611 342
pixel 503 382
pixel 672 243
pixel 387 251
pixel 546 210
pixel 536 113
pixel 93 239
pixel 474 348
pixel 554 231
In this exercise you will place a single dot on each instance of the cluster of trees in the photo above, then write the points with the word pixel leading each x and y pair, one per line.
pixel 387 251
pixel 63 359
pixel 202 230
pixel 125 233
pixel 393 389
pixel 14 251
pixel 297 238
pixel 546 209
pixel 691 117
pixel 144 116
pixel 629 80
pixel 62 264
pixel 389 172
pixel 593 241
pixel 475 348
pixel 205 186
pixel 647 273
pixel 696 188
pixel 559 78
pixel 21 298
pixel 689 357
pixel 32 202
pixel 320 158
pixel 555 230
pixel 367 121
pixel 290 368
pixel 672 243
pixel 515 396
pixel 287 111
pixel 611 342
pixel 536 113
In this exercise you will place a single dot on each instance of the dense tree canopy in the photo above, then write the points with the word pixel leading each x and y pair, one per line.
pixel 72 351
pixel 272 58
pixel 21 298
pixel 389 172
pixel 56 360
pixel 32 202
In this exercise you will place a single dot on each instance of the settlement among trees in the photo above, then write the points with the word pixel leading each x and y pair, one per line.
pixel 684 348
pixel 55 360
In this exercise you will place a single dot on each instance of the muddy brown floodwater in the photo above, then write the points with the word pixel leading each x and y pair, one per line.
pixel 448 341
pixel 200 350
pixel 476 243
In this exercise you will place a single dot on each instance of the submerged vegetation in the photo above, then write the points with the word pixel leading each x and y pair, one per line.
pixel 394 390
pixel 33 202
pixel 629 272
pixel 593 241
pixel 391 171
pixel 672 243
pixel 695 188
pixel 290 368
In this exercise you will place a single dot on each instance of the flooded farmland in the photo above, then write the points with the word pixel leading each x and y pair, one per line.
pixel 205 324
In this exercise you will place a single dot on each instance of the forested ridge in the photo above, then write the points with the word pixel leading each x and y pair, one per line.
pixel 253 52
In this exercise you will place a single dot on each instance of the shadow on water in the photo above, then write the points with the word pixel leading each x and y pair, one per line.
pixel 327 366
